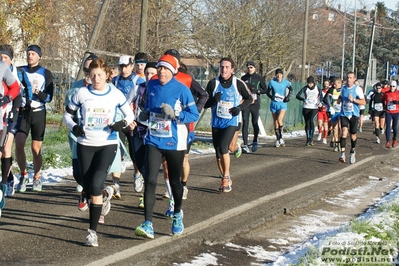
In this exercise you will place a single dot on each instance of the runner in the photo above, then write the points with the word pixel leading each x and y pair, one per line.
pixel 168 107
pixel 391 104
pixel 200 98
pixel 226 93
pixel 351 97
pixel 137 100
pixel 32 117
pixel 7 54
pixel 376 109
pixel 256 83
pixel 96 132
pixel 334 94
pixel 9 90
pixel 312 100
pixel 126 81
pixel 322 116
pixel 279 91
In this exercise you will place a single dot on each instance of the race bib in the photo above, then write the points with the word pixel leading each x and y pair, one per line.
pixel 312 99
pixel 223 108
pixel 279 97
pixel 378 107
pixel 391 106
pixel 159 126
pixel 97 119
pixel 348 106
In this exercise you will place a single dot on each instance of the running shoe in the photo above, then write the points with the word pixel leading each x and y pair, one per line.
pixel 106 207
pixel 311 143
pixel 226 184
pixel 177 223
pixel 245 149
pixel 3 190
pixel 377 140
pixel 145 230
pixel 10 188
pixel 277 144
pixel 185 192
pixel 282 143
pixel 388 145
pixel 360 129
pixel 352 157
pixel 394 143
pixel 138 183
pixel 254 146
pixel 79 188
pixel 101 220
pixel 91 238
pixel 123 166
pixel 324 141
pixel 82 203
pixel 23 181
pixel 238 152
pixel 166 195
pixel 342 157
pixel 37 185
pixel 108 194
pixel 141 203
pixel 117 191
pixel 382 131
pixel 171 209
pixel 319 137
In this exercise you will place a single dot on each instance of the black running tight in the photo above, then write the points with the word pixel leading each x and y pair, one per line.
pixel 154 160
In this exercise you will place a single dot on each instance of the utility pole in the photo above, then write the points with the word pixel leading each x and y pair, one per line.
pixel 354 42
pixel 94 34
pixel 305 39
pixel 370 49
pixel 343 46
pixel 143 26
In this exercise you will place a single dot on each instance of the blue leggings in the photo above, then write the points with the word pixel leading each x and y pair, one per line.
pixel 394 118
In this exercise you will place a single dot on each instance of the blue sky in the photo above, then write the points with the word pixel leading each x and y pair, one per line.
pixel 391 4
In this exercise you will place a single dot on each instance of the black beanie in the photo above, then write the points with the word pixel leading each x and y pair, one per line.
pixel 151 65
pixel 310 79
pixel 6 51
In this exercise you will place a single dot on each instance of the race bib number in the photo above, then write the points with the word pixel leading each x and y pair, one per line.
pixel 159 126
pixel 378 107
pixel 97 119
pixel 223 108
pixel 348 106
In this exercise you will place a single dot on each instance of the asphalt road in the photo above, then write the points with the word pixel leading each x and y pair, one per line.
pixel 46 228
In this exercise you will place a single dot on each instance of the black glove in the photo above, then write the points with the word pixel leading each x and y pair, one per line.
pixel 272 98
pixel 78 131
pixel 118 126
pixel 143 116
pixel 41 96
pixel 286 99
pixel 217 97
pixel 4 100
pixel 235 111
